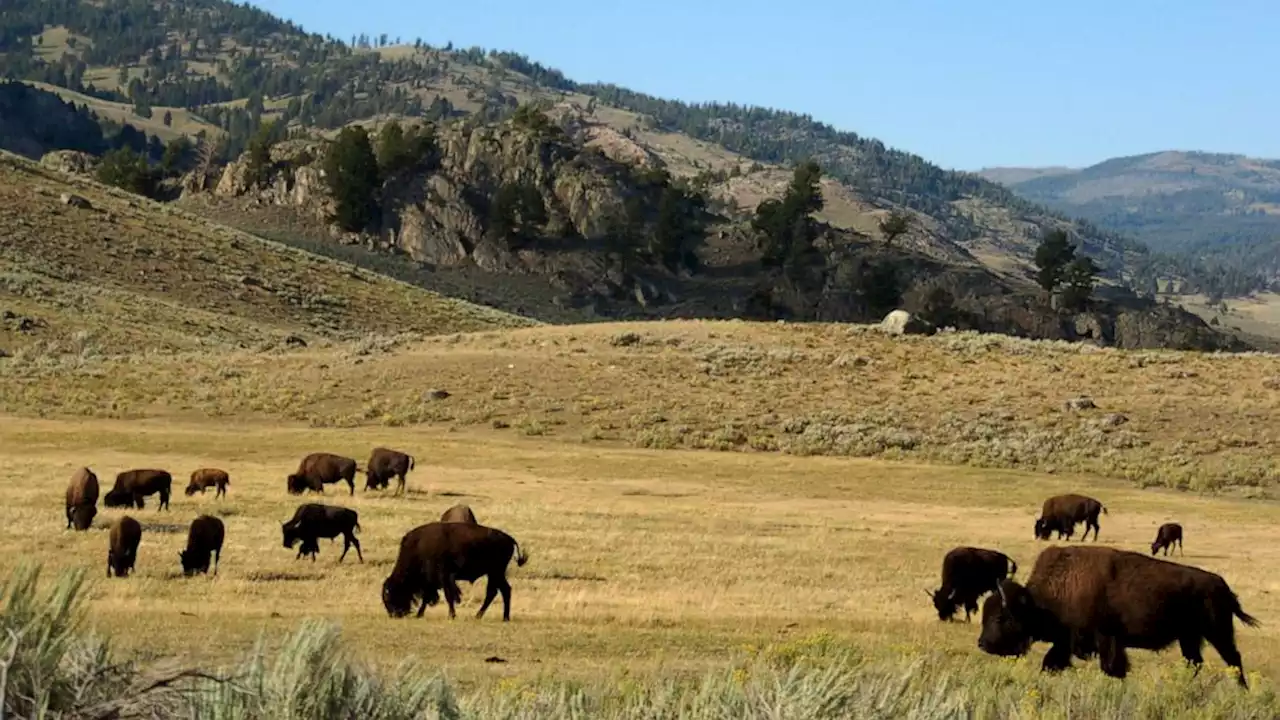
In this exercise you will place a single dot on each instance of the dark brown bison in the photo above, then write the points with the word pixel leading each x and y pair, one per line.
pixel 967 573
pixel 319 469
pixel 133 485
pixel 122 546
pixel 82 499
pixel 313 520
pixel 1061 513
pixel 433 557
pixel 1166 536
pixel 459 513
pixel 385 464
pixel 204 537
pixel 1099 600
pixel 205 478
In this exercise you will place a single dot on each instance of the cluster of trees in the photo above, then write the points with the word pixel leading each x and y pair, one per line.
pixel 1061 270
pixel 356 172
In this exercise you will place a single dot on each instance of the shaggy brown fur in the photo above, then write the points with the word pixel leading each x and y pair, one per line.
pixel 1061 513
pixel 433 557
pixel 385 464
pixel 205 478
pixel 459 513
pixel 1166 536
pixel 122 546
pixel 319 469
pixel 133 485
pixel 967 573
pixel 204 537
pixel 1099 600
pixel 82 499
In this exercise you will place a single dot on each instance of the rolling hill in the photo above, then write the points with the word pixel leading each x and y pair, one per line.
pixel 118 273
pixel 1222 209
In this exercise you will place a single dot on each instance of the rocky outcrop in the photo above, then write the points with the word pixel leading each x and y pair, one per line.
pixel 70 161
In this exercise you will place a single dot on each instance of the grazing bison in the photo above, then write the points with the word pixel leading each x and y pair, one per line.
pixel 1062 512
pixel 82 499
pixel 459 514
pixel 1099 600
pixel 313 520
pixel 204 537
pixel 1166 536
pixel 133 485
pixel 967 573
pixel 205 478
pixel 433 557
pixel 385 464
pixel 122 546
pixel 319 469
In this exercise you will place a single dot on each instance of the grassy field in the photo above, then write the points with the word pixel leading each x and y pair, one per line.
pixel 642 562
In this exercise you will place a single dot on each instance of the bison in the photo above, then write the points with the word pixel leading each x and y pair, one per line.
pixel 1166 536
pixel 433 557
pixel 967 573
pixel 385 464
pixel 1099 600
pixel 133 485
pixel 122 546
pixel 313 520
pixel 1062 512
pixel 82 499
pixel 460 514
pixel 319 469
pixel 205 478
pixel 204 537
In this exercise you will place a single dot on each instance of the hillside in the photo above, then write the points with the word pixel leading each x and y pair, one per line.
pixel 128 273
pixel 234 65
pixel 1222 209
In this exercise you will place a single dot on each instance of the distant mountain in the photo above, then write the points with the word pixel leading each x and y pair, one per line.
pixel 1221 209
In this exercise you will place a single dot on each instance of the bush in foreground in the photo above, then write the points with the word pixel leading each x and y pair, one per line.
pixel 51 668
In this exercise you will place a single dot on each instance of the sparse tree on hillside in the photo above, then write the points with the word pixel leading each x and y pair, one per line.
pixel 516 213
pixel 128 170
pixel 785 226
pixel 1077 283
pixel 258 161
pixel 895 225
pixel 1052 257
pixel 168 118
pixel 351 171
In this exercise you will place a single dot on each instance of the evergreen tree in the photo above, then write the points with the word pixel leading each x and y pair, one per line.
pixel 351 171
pixel 1077 283
pixel 1053 255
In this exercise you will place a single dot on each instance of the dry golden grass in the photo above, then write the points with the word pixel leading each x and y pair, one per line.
pixel 130 273
pixel 1184 420
pixel 641 561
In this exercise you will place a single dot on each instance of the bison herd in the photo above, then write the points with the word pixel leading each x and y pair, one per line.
pixel 1088 600
pixel 1081 600
pixel 432 558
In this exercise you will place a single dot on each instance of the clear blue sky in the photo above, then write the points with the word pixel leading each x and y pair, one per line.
pixel 963 84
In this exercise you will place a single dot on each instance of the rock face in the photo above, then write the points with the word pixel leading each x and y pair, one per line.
pixel 70 161
pixel 901 322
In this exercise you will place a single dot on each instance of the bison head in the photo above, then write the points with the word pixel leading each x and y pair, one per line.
pixel 82 516
pixel 192 489
pixel 290 532
pixel 397 598
pixel 1042 529
pixel 295 485
pixel 943 603
pixel 1008 619
pixel 117 497
pixel 194 562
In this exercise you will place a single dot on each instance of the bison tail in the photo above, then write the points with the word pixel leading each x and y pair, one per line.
pixel 522 557
pixel 1104 510
pixel 410 462
pixel 356 527
pixel 1245 617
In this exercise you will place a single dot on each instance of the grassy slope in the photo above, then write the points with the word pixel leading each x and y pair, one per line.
pixel 1193 420
pixel 130 274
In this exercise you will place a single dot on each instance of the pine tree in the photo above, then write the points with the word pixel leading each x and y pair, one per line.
pixel 351 171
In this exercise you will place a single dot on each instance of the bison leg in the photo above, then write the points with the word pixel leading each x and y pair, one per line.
pixel 490 592
pixel 505 589
pixel 1092 524
pixel 217 555
pixel 1191 651
pixel 1225 643
pixel 354 543
pixel 1112 656
pixel 1058 658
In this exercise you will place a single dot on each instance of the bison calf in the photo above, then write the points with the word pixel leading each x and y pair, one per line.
pixel 205 478
pixel 433 557
pixel 967 573
pixel 319 469
pixel 1166 536
pixel 459 514
pixel 122 546
pixel 385 464
pixel 1061 513
pixel 82 499
pixel 133 485
pixel 204 537
pixel 1099 600
pixel 313 520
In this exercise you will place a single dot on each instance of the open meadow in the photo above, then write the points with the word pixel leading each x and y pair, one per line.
pixel 654 559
